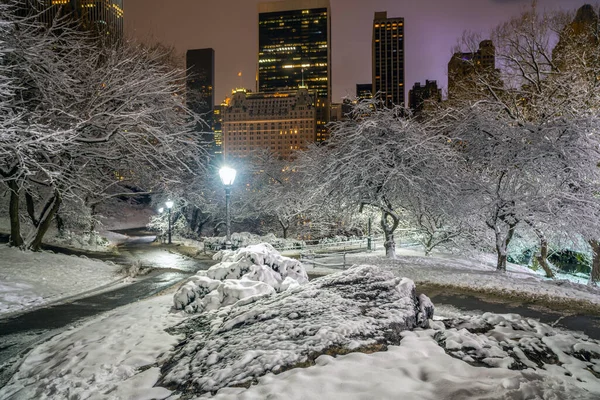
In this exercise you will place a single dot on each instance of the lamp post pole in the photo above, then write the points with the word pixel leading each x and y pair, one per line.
pixel 169 205
pixel 169 226
pixel 369 244
pixel 227 176
pixel 228 217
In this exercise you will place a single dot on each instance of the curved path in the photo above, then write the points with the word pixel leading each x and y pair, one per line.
pixel 20 333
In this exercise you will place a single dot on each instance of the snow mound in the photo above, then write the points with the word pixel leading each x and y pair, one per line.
pixel 511 341
pixel 361 308
pixel 202 293
pixel 244 274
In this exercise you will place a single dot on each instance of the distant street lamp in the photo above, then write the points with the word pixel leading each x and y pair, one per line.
pixel 169 205
pixel 227 177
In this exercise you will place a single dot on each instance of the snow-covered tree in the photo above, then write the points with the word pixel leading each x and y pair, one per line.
pixel 529 132
pixel 376 157
pixel 94 116
pixel 276 192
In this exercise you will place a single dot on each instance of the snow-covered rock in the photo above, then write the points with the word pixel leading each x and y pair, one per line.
pixel 363 308
pixel 514 342
pixel 244 274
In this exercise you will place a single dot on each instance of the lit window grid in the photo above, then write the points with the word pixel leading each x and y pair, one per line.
pixel 388 60
pixel 282 134
pixel 306 50
pixel 104 15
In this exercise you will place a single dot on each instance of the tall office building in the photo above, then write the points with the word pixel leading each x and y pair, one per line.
pixel 462 66
pixel 103 16
pixel 218 127
pixel 364 91
pixel 419 94
pixel 200 82
pixel 388 58
pixel 294 50
pixel 580 33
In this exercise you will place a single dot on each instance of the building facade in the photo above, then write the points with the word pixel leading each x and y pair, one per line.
pixel 364 91
pixel 103 16
pixel 388 58
pixel 218 127
pixel 462 66
pixel 200 83
pixel 294 50
pixel 282 122
pixel 419 94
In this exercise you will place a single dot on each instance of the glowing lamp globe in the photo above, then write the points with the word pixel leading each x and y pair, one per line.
pixel 227 175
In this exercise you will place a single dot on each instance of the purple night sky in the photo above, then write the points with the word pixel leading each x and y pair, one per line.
pixel 230 27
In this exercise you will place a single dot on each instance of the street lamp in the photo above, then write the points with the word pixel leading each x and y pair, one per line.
pixel 169 205
pixel 227 177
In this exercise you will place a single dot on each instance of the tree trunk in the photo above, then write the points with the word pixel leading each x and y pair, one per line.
pixel 16 239
pixel 60 225
pixel 284 227
pixel 595 274
pixel 543 257
pixel 502 246
pixel 201 225
pixel 388 231
pixel 92 240
pixel 50 210
pixel 194 219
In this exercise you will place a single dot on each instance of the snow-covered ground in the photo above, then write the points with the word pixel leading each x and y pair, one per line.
pixel 31 279
pixel 477 273
pixel 109 357
pixel 118 355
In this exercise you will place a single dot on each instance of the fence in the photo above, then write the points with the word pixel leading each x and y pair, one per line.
pixel 355 244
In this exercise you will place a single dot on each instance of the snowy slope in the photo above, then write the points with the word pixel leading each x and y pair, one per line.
pixel 30 279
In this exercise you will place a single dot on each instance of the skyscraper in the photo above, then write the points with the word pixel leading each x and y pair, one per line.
pixel 419 94
pixel 200 82
pixel 294 50
pixel 103 16
pixel 294 46
pixel 364 91
pixel 462 66
pixel 388 58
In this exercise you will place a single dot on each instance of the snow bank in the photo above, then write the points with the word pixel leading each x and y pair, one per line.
pixel 112 356
pixel 363 307
pixel 32 279
pixel 245 274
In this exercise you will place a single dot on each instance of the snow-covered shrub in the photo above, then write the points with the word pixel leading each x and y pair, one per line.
pixel 243 239
pixel 80 240
pixel 202 293
pixel 247 273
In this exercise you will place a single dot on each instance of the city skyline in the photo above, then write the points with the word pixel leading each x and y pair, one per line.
pixel 432 30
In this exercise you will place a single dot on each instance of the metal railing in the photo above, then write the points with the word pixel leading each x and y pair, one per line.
pixel 354 244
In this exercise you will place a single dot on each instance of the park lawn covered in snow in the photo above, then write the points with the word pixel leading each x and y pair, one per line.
pixel 32 279
pixel 119 355
pixel 478 274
